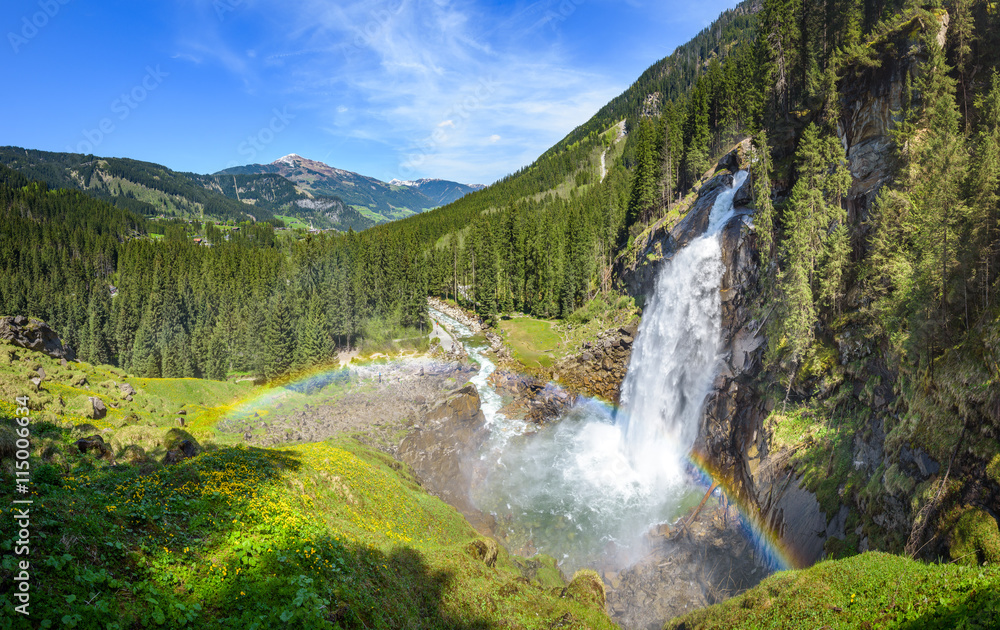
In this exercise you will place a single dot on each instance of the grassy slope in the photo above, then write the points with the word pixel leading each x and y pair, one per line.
pixel 533 341
pixel 872 590
pixel 311 536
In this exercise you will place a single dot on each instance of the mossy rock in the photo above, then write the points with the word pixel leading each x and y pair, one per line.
pixel 84 429
pixel 175 436
pixel 541 570
pixel 975 538
pixel 993 470
pixel 587 587
pixel 124 420
pixel 134 454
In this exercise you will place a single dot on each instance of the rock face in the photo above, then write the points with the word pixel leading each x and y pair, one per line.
pixel 95 445
pixel 599 368
pixel 638 276
pixel 33 334
pixel 732 416
pixel 871 102
pixel 442 447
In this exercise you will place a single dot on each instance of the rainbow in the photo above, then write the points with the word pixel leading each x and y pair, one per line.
pixel 766 541
pixel 315 379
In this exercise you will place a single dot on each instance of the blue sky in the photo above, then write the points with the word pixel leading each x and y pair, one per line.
pixel 466 90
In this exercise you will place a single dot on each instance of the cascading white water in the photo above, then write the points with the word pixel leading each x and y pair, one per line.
pixel 597 480
pixel 675 356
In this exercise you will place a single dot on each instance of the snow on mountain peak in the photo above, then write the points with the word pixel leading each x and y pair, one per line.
pixel 289 159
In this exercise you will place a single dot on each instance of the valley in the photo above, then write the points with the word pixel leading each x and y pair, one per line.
pixel 725 356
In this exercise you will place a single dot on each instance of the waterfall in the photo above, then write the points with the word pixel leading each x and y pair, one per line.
pixel 587 488
pixel 675 356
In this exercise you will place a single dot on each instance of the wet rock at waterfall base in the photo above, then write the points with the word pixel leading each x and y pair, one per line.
pixel 531 399
pixel 706 563
pixel 441 449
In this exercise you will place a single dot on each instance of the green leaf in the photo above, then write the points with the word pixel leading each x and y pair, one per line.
pixel 158 616
pixel 70 599
pixel 285 616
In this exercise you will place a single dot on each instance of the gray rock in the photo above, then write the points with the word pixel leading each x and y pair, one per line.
pixel 33 334
pixel 744 196
pixel 97 408
pixel 126 389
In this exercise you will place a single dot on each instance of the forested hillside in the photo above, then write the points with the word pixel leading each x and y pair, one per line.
pixel 252 302
pixel 153 190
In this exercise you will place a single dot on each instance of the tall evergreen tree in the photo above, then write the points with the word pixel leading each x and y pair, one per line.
pixel 279 341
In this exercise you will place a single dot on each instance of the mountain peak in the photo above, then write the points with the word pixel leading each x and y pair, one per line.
pixel 290 159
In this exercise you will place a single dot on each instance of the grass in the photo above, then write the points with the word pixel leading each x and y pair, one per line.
pixel 871 590
pixel 294 223
pixel 368 213
pixel 324 535
pixel 534 341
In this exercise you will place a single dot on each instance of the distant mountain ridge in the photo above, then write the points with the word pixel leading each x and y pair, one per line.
pixel 378 200
pixel 152 190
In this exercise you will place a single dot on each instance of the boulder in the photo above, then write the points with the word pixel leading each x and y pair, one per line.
pixel 587 587
pixel 484 550
pixel 34 334
pixel 183 450
pixel 97 408
pixel 126 390
pixel 94 445
pixel 179 439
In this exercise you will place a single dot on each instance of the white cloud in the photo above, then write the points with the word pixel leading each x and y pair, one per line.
pixel 409 68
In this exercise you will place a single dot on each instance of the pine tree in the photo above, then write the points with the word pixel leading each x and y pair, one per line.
pixel 814 252
pixel 97 350
pixel 985 221
pixel 278 337
pixel 314 346
pixel 644 179
pixel 764 215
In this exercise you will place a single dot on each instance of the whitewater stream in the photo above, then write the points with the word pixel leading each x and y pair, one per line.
pixel 588 487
